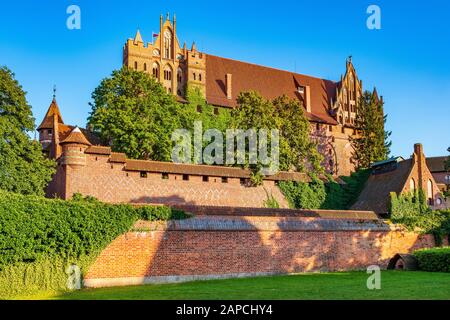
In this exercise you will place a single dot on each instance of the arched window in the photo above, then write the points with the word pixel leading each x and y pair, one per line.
pixel 145 67
pixel 430 190
pixel 167 75
pixel 195 76
pixel 135 65
pixel 199 77
pixel 155 70
pixel 412 185
pixel 168 44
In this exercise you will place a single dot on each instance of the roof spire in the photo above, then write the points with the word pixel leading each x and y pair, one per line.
pixel 138 37
pixel 54 92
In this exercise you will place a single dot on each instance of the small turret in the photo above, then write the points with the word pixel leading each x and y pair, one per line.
pixel 49 129
pixel 73 148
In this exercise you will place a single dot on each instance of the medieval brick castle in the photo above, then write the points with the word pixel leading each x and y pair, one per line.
pixel 84 166
pixel 329 105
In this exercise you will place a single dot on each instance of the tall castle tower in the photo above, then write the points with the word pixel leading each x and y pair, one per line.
pixel 174 67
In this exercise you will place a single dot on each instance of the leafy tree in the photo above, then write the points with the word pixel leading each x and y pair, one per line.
pixel 299 151
pixel 372 142
pixel 134 114
pixel 23 167
pixel 254 112
pixel 219 119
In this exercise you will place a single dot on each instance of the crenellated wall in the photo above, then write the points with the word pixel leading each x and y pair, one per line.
pixel 211 247
pixel 130 181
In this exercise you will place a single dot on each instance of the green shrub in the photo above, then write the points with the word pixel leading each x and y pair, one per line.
pixel 153 213
pixel 408 206
pixel 325 195
pixel 271 202
pixel 37 234
pixel 434 260
pixel 33 227
pixel 412 211
pixel 49 275
pixel 302 195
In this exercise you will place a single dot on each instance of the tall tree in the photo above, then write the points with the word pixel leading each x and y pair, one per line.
pixel 296 149
pixel 134 114
pixel 301 151
pixel 372 141
pixel 23 167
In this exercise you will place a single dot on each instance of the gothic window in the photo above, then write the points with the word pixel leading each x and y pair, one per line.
pixel 155 70
pixel 199 77
pixel 412 185
pixel 167 73
pixel 168 44
pixel 430 191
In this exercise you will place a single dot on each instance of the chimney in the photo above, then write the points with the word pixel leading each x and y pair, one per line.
pixel 308 98
pixel 228 86
pixel 419 158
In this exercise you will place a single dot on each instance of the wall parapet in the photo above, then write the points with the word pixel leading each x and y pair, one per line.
pixel 230 223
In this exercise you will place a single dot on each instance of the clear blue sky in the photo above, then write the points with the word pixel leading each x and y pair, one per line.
pixel 408 60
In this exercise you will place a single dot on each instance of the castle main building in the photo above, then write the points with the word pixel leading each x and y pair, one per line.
pixel 329 105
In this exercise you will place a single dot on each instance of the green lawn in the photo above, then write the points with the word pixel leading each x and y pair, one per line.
pixel 344 285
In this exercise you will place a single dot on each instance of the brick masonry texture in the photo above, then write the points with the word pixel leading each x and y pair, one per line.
pixel 109 182
pixel 215 247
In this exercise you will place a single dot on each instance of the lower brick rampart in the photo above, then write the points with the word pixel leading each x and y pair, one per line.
pixel 211 247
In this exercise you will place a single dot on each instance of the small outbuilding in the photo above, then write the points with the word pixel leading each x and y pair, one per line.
pixel 403 262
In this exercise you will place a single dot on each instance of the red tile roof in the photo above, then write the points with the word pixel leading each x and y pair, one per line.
pixel 436 164
pixel 205 170
pixel 47 123
pixel 270 83
pixel 76 136
pixel 376 193
pixel 99 150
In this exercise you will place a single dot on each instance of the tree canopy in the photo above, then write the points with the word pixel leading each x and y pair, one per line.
pixel 295 145
pixel 372 143
pixel 133 114
pixel 23 167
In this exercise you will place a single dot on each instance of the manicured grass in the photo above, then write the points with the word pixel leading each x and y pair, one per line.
pixel 343 285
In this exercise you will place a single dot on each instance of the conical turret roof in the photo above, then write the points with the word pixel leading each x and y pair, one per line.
pixel 53 110
pixel 76 136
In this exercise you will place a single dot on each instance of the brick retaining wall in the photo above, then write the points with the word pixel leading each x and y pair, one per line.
pixel 209 247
